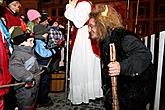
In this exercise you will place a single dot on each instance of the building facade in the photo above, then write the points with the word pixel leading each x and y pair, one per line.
pixel 150 18
pixel 29 4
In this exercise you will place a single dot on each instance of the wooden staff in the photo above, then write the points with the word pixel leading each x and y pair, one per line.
pixel 127 14
pixel 137 11
pixel 67 60
pixel 19 84
pixel 115 103
pixel 22 83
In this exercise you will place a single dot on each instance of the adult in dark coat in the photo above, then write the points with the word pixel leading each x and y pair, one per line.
pixel 11 15
pixel 133 67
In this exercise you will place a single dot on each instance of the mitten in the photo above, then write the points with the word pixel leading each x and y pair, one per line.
pixel 31 83
pixel 60 43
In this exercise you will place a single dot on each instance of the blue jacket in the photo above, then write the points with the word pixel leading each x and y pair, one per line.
pixel 41 49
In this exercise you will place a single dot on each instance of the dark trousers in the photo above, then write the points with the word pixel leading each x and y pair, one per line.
pixel 44 86
pixel 44 89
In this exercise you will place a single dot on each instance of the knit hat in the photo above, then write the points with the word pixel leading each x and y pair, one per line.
pixel 10 1
pixel 18 36
pixel 40 29
pixel 33 14
pixel 44 17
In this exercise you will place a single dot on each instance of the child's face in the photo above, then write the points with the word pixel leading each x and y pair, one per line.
pixel 45 35
pixel 55 24
pixel 45 23
pixel 37 20
pixel 29 42
pixel 15 6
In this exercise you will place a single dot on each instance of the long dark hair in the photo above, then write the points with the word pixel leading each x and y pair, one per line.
pixel 106 19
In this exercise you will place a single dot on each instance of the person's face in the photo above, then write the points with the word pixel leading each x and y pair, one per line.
pixel 45 35
pixel 92 28
pixel 37 20
pixel 55 24
pixel 15 6
pixel 29 42
pixel 45 23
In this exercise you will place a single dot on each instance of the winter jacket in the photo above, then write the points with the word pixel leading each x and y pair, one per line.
pixel 12 19
pixel 136 81
pixel 55 37
pixel 5 77
pixel 5 32
pixel 30 26
pixel 24 68
pixel 23 64
pixel 41 50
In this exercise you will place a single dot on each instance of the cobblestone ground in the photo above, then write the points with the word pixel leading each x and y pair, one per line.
pixel 60 103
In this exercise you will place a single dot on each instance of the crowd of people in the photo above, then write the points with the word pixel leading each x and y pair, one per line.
pixel 30 50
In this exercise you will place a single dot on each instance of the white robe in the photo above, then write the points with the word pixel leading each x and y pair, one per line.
pixel 85 69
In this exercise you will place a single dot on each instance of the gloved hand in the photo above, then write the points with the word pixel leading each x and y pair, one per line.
pixel 31 83
pixel 60 43
pixel 45 68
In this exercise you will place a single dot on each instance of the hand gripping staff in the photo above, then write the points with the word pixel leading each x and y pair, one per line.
pixel 115 103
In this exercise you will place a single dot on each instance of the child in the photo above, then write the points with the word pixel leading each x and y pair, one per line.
pixel 56 40
pixel 43 55
pixel 34 18
pixel 23 67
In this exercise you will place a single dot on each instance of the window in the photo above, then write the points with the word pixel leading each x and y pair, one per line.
pixel 46 0
pixel 61 11
pixel 141 10
pixel 61 1
pixel 53 13
pixel 162 9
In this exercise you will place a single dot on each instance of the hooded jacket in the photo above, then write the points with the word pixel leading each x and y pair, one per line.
pixel 23 64
pixel 41 50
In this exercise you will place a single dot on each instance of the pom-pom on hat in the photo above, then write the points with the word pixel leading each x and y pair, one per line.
pixel 10 1
pixel 18 36
pixel 33 14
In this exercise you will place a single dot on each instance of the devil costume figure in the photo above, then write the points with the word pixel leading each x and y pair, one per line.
pixel 136 80
pixel 133 67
